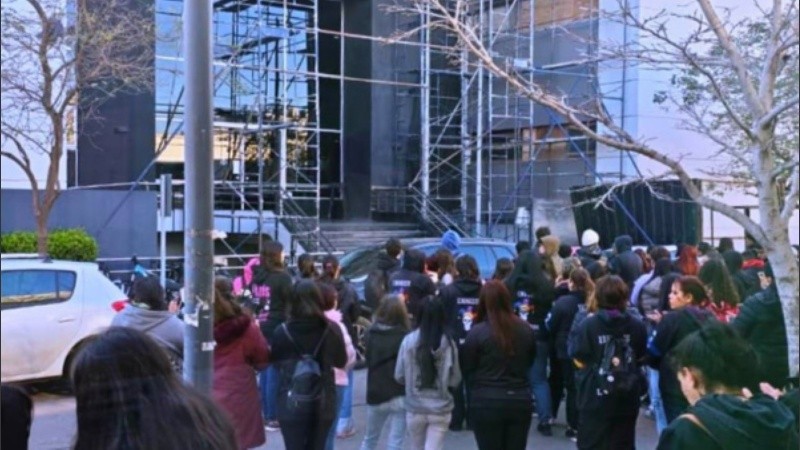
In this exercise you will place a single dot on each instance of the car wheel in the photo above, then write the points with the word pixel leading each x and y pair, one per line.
pixel 360 345
pixel 64 384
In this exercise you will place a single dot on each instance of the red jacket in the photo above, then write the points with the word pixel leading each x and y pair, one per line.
pixel 241 350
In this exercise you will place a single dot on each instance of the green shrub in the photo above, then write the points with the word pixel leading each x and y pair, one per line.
pixel 18 242
pixel 72 244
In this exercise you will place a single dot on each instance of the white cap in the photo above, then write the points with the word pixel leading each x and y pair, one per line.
pixel 589 237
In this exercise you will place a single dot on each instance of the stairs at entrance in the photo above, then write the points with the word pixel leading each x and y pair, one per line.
pixel 350 234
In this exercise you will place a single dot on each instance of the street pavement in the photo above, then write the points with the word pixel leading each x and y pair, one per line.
pixel 54 427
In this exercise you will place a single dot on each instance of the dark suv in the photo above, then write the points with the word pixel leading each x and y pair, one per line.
pixel 357 264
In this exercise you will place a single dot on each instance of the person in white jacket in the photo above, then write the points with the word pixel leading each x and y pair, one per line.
pixel 329 305
pixel 427 365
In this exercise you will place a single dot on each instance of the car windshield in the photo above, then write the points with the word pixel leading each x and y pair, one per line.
pixel 359 262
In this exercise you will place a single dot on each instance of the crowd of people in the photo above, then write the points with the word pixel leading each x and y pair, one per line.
pixel 696 341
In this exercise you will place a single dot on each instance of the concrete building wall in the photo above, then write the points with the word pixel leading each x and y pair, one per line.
pixel 131 231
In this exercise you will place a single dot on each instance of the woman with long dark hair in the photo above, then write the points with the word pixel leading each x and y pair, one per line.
pixel 559 323
pixel 497 353
pixel 272 285
pixel 686 315
pixel 608 419
pixel 306 267
pixel 724 298
pixel 427 365
pixel 305 425
pixel 240 351
pixel 533 293
pixel 128 397
pixel 384 394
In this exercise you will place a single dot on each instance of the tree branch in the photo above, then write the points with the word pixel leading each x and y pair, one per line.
pixel 739 64
pixel 790 203
pixel 777 111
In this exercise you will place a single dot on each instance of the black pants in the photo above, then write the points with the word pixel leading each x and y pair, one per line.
pixel 501 425
pixel 460 406
pixel 600 431
pixel 556 381
pixel 568 373
pixel 309 434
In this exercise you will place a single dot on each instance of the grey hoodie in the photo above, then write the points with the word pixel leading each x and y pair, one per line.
pixel 406 372
pixel 163 326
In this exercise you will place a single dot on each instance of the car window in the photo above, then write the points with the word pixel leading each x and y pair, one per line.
pixel 359 262
pixel 35 287
pixel 482 255
pixel 501 251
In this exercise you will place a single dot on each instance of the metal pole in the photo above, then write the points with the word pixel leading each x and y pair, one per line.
pixel 424 56
pixel 199 191
pixel 162 232
pixel 466 150
pixel 479 137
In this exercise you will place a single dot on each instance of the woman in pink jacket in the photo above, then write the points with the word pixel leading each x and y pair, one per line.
pixel 241 350
pixel 330 300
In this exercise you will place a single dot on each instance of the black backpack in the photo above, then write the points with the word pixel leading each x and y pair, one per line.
pixel 305 390
pixel 375 287
pixel 617 376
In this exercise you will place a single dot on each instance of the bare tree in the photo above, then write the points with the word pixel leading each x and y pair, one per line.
pixel 59 56
pixel 735 89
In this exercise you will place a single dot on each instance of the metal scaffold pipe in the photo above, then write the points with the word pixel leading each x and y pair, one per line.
pixel 199 197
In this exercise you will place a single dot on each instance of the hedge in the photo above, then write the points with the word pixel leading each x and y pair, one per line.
pixel 72 244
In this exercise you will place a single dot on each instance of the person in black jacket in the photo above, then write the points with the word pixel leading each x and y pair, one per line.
pixel 496 355
pixel 607 422
pixel 274 281
pixel 533 294
pixel 685 316
pixel 744 284
pixel 377 283
pixel 384 394
pixel 559 323
pixel 306 329
pixel 716 372
pixel 16 414
pixel 412 283
pixel 760 321
pixel 625 263
pixel 460 300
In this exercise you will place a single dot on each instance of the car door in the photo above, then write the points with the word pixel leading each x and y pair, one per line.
pixel 40 316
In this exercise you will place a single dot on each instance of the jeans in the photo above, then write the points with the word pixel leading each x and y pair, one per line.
pixel 539 384
pixel 268 380
pixel 346 409
pixel 656 402
pixel 460 406
pixel 426 431
pixel 377 415
pixel 501 426
pixel 332 433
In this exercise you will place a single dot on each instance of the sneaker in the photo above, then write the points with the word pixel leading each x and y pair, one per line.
pixel 272 425
pixel 571 433
pixel 347 433
pixel 544 429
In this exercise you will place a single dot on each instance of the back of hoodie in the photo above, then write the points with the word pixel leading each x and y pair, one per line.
pixel 435 400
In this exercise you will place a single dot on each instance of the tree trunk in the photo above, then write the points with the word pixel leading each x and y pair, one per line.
pixel 41 233
pixel 787 279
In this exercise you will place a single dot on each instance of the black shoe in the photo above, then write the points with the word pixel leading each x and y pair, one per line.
pixel 571 433
pixel 544 429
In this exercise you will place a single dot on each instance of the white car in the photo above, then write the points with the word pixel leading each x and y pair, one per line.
pixel 49 309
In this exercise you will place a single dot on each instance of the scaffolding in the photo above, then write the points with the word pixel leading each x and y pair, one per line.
pixel 477 150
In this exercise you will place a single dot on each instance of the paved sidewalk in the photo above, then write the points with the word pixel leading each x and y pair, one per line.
pixel 54 427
